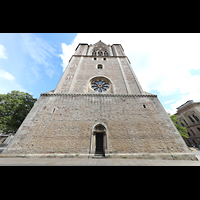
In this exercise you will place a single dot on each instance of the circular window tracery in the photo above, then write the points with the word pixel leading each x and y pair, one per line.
pixel 100 85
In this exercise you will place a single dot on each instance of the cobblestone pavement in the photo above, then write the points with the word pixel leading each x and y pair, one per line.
pixel 92 162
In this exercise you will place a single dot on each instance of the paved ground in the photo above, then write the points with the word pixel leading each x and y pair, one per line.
pixel 94 162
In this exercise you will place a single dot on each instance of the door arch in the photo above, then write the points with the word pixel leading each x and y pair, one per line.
pixel 99 139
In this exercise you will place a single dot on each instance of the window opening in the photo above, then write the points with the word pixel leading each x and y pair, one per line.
pixel 182 124
pixel 100 86
pixel 196 117
pixel 144 106
pixel 191 119
pixel 194 142
pixel 100 66
pixel 100 53
pixel 105 53
pixel 192 131
pixel 198 128
pixel 54 110
pixel 189 142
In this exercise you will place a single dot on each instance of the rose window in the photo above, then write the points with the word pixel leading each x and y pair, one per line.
pixel 99 86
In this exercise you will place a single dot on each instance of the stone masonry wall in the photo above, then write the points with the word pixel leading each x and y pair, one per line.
pixel 68 128
pixel 82 68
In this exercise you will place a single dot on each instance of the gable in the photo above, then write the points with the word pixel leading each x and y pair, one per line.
pixel 100 46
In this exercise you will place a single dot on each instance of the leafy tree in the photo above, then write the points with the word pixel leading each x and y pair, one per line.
pixel 14 107
pixel 182 130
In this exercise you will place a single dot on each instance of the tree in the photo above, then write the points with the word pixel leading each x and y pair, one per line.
pixel 182 130
pixel 14 107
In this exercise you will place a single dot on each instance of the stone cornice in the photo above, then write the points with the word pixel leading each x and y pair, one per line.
pixel 99 95
pixel 99 56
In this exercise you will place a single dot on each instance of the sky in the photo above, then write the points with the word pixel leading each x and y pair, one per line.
pixel 166 64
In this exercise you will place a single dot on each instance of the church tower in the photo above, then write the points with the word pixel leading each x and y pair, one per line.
pixel 99 108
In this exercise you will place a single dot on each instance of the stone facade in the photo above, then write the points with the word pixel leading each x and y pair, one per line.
pixel 189 115
pixel 98 87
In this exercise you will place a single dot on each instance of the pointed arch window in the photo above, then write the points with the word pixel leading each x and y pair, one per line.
pixel 105 53
pixel 100 53
pixel 93 53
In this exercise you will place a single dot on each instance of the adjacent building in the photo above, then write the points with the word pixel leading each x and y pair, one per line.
pixel 189 114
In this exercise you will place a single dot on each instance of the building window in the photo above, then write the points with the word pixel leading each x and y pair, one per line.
pixel 95 58
pixel 189 133
pixel 191 118
pixel 189 142
pixel 99 66
pixel 100 86
pixel 185 122
pixel 100 53
pixel 194 142
pixel 198 128
pixel 93 53
pixel 195 117
pixel 105 53
pixel 192 131
pixel 53 111
pixel 104 58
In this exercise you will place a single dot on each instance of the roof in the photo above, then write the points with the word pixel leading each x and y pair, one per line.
pixel 186 103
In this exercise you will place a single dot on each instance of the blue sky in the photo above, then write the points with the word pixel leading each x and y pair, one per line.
pixel 166 64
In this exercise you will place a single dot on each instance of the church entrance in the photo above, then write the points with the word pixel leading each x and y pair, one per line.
pixel 99 144
pixel 99 141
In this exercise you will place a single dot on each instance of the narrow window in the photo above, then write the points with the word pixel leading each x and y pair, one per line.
pixel 144 106
pixel 185 122
pixel 93 53
pixel 105 53
pixel 191 119
pixel 189 133
pixel 189 142
pixel 194 142
pixel 100 53
pixel 100 66
pixel 192 131
pixel 198 128
pixel 53 111
pixel 196 117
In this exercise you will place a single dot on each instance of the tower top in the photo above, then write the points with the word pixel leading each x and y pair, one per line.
pixel 99 68
pixel 99 49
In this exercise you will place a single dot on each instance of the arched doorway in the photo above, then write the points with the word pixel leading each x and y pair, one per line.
pixel 99 140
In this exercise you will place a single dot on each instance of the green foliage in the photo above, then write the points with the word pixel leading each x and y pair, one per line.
pixel 14 107
pixel 182 130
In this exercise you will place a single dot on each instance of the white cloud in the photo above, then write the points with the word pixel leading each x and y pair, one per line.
pixel 166 102
pixel 3 54
pixel 8 83
pixel 40 51
pixel 6 76
pixel 160 61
